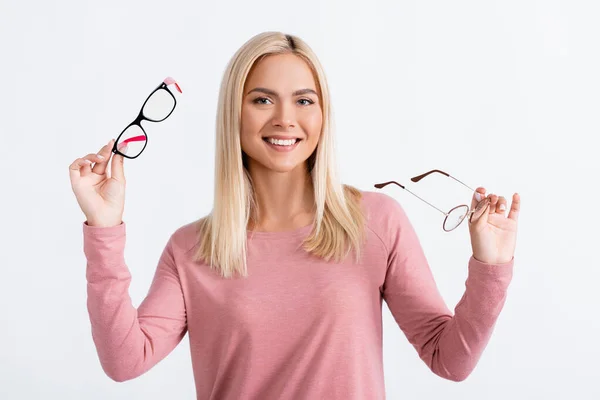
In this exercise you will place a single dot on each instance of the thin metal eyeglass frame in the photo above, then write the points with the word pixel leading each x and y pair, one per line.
pixel 480 206
pixel 164 85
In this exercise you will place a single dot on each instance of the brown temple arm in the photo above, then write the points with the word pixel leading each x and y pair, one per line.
pixel 419 177
pixel 384 184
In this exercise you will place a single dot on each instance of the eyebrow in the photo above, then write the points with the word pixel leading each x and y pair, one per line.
pixel 274 94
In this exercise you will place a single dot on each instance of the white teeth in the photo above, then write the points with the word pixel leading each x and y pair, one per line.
pixel 281 142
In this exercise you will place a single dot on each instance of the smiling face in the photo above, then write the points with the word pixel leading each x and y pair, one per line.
pixel 281 114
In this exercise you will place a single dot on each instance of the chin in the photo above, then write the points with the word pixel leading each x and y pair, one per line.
pixel 284 170
pixel 283 167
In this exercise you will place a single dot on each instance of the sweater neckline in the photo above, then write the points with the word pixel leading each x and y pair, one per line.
pixel 280 234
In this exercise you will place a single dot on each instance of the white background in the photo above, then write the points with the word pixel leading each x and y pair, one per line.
pixel 503 94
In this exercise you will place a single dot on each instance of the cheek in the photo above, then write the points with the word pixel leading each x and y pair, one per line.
pixel 313 125
pixel 247 122
pixel 247 129
pixel 253 121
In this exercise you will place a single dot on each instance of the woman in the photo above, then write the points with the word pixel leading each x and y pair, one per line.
pixel 280 286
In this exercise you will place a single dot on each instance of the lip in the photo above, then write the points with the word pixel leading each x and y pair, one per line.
pixel 282 148
pixel 281 137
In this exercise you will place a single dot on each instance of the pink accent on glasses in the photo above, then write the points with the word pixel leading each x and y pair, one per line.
pixel 169 81
pixel 139 138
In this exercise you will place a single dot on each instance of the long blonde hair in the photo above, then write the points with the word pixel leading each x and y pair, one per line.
pixel 339 220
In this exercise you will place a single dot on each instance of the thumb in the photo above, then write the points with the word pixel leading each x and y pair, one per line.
pixel 116 168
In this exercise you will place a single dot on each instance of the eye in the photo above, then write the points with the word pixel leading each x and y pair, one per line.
pixel 308 100
pixel 259 99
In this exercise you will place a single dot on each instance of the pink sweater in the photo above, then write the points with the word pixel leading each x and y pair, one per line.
pixel 297 327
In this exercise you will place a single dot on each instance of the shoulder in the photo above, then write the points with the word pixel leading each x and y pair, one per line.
pixel 185 237
pixel 378 200
pixel 372 202
pixel 380 207
pixel 384 216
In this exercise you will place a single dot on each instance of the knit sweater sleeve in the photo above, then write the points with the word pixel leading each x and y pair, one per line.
pixel 450 344
pixel 130 341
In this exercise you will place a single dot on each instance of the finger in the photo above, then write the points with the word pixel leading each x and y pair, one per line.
pixel 493 203
pixel 92 158
pixel 501 206
pixel 78 168
pixel 515 207
pixel 116 167
pixel 477 219
pixel 105 152
pixel 478 195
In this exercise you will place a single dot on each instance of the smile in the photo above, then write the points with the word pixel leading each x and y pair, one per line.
pixel 282 144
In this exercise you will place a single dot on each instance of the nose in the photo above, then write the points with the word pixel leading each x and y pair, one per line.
pixel 284 116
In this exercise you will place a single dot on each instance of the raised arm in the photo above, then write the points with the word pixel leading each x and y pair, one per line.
pixel 130 341
pixel 450 344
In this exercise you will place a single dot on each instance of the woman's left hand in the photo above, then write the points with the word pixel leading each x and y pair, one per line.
pixel 493 234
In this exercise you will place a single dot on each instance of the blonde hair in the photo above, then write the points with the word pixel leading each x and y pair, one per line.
pixel 339 220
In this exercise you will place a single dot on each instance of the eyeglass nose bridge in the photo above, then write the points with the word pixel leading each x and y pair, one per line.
pixel 481 206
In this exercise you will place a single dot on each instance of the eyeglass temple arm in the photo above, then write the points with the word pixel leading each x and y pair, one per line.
pixel 124 143
pixel 419 177
pixel 170 81
pixel 382 185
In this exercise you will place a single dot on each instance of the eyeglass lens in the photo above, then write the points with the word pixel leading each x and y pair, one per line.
pixel 455 217
pixel 158 106
pixel 132 141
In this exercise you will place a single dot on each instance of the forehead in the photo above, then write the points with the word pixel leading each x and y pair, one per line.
pixel 286 72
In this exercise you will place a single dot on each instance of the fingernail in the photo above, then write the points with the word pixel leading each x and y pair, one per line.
pixel 478 196
pixel 87 161
pixel 502 207
pixel 100 156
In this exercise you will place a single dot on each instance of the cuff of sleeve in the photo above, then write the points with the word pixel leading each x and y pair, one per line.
pixel 501 271
pixel 103 232
pixel 105 245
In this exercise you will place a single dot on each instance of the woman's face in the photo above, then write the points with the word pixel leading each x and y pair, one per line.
pixel 281 114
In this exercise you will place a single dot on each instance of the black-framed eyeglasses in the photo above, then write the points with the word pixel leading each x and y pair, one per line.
pixel 157 107
pixel 456 215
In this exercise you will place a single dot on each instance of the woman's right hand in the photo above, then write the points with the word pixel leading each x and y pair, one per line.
pixel 101 196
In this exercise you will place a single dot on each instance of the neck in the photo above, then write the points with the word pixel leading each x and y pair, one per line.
pixel 284 200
